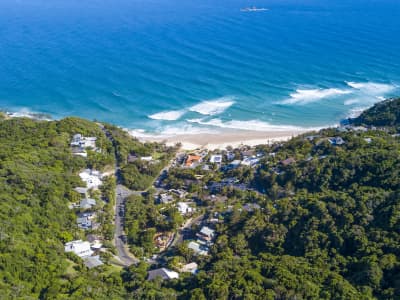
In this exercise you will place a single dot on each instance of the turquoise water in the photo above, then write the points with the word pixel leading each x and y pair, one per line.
pixel 192 66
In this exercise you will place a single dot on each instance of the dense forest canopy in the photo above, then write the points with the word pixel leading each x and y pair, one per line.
pixel 327 224
pixel 385 113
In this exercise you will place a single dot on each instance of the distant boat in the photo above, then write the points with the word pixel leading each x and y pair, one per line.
pixel 253 8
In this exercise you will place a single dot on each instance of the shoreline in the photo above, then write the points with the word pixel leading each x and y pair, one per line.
pixel 223 139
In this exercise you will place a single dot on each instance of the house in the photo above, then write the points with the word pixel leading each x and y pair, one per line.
pixel 83 142
pixel 250 207
pixel 132 158
pixel 234 164
pixel 165 198
pixel 92 238
pixel 84 220
pixel 206 234
pixel 311 137
pixel 216 159
pixel 336 141
pixel 81 190
pixel 76 140
pixel 87 203
pixel 79 247
pixel 198 249
pixel 250 161
pixel 230 155
pixel 368 140
pixel 179 193
pixel 360 128
pixel 192 160
pixel 248 153
pixel 288 161
pixel 189 268
pixel 146 158
pixel 184 208
pixel 84 223
pixel 206 168
pixel 92 261
pixel 163 273
pixel 79 151
pixel 91 177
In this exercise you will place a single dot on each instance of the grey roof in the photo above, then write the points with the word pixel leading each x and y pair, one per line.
pixel 207 231
pixel 87 203
pixel 162 272
pixel 93 261
pixel 81 190
pixel 336 141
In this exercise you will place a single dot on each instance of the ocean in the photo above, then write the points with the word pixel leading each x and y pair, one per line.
pixel 180 67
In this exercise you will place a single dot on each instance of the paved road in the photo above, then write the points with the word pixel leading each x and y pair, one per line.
pixel 178 238
pixel 123 253
pixel 122 192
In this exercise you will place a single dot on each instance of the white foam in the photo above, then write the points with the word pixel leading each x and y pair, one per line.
pixel 172 115
pixel 214 106
pixel 252 125
pixel 352 101
pixel 26 113
pixel 185 130
pixel 372 88
pixel 170 131
pixel 312 95
pixel 355 112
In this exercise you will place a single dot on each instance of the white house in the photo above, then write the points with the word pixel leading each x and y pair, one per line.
pixel 79 247
pixel 91 177
pixel 190 268
pixel 146 158
pixel 184 208
pixel 250 161
pixel 217 159
pixel 198 249
pixel 78 140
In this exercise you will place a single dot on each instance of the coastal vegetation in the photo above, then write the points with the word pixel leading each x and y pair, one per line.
pixel 317 217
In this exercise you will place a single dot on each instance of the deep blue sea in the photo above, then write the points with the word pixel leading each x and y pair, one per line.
pixel 174 66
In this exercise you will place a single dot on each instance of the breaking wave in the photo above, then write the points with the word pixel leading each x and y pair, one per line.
pixel 213 107
pixel 312 95
pixel 372 88
pixel 172 115
pixel 251 125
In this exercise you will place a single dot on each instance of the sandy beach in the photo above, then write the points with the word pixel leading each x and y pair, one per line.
pixel 226 138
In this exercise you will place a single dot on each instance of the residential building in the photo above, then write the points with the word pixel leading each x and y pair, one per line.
pixel 87 203
pixel 79 247
pixel 216 159
pixel 165 198
pixel 206 234
pixel 336 141
pixel 163 273
pixel 184 208
pixel 92 261
pixel 146 158
pixel 198 249
pixel 91 177
pixel 230 155
pixel 190 268
pixel 192 160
